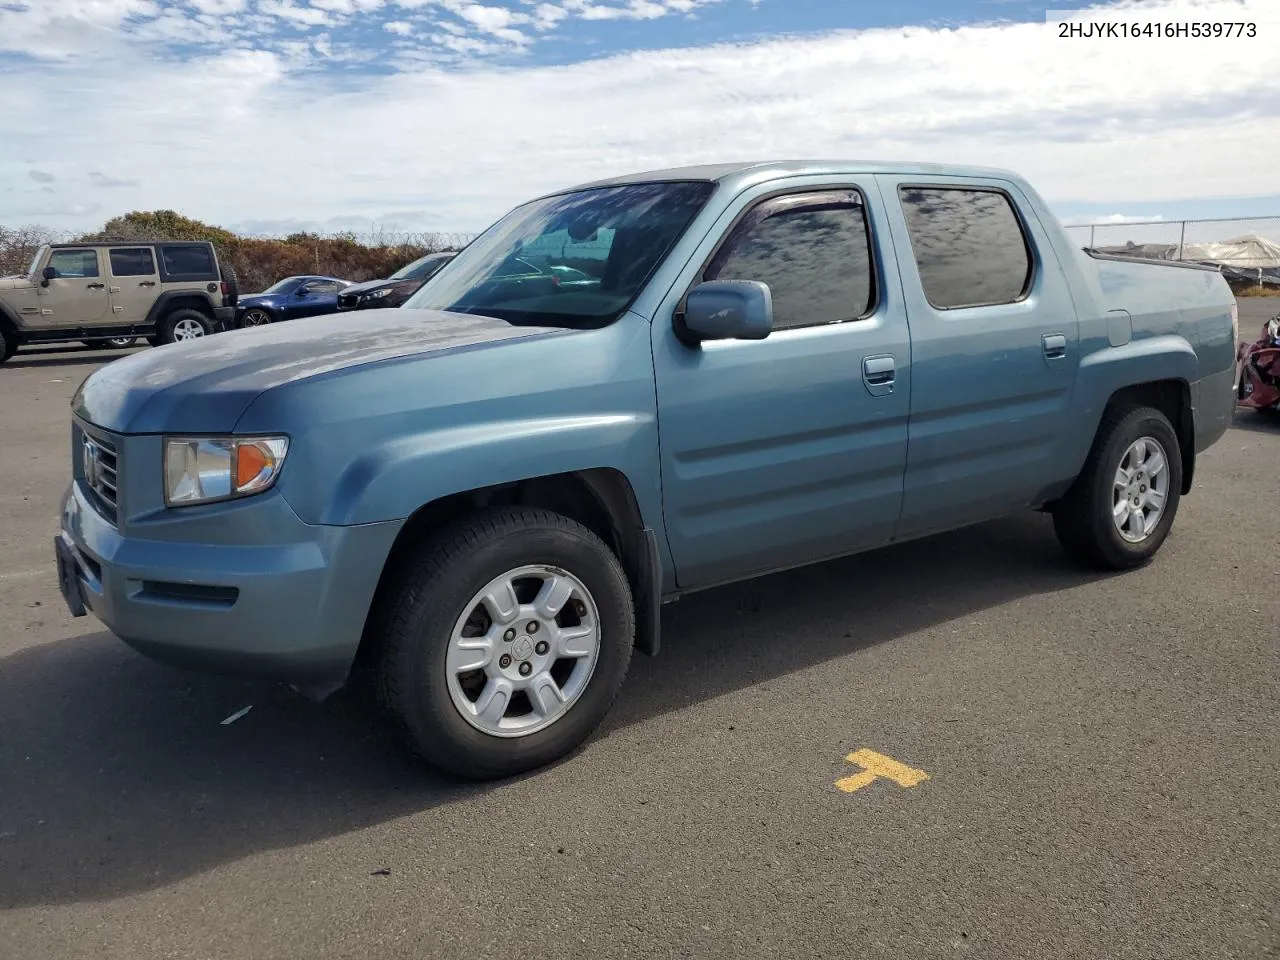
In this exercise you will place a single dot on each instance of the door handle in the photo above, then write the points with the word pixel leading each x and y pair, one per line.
pixel 95 286
pixel 1055 346
pixel 878 369
pixel 146 283
pixel 878 374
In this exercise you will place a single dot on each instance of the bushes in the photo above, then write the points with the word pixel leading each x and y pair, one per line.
pixel 258 262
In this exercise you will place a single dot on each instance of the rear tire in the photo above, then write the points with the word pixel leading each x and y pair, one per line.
pixel 1121 507
pixel 184 325
pixel 8 345
pixel 424 674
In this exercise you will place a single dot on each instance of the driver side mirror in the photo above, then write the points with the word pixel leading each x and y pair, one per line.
pixel 729 310
pixel 48 273
pixel 302 291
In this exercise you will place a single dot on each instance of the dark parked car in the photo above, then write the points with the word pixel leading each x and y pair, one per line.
pixel 395 289
pixel 289 299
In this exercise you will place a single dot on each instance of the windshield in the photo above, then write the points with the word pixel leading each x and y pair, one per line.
pixel 286 284
pixel 611 239
pixel 35 261
pixel 420 267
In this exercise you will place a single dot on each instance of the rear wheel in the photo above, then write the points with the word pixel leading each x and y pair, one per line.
pixel 1120 509
pixel 505 640
pixel 116 343
pixel 184 325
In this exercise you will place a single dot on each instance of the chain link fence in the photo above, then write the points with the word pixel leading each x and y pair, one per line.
pixel 1246 249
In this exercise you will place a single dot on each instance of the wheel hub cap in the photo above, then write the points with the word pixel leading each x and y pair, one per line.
pixel 1140 490
pixel 523 651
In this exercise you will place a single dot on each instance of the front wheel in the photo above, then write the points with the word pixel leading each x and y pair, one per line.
pixel 1120 509
pixel 505 640
pixel 255 317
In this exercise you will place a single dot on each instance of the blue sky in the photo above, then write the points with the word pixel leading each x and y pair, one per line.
pixel 271 115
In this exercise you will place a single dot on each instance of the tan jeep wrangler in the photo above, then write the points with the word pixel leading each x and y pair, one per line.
pixel 111 293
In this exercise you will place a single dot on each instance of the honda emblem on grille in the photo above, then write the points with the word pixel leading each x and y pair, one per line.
pixel 90 463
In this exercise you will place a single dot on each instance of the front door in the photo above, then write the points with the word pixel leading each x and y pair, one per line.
pixel 315 297
pixel 789 449
pixel 995 348
pixel 77 295
pixel 135 283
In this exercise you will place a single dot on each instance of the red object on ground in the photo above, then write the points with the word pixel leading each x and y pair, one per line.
pixel 1260 369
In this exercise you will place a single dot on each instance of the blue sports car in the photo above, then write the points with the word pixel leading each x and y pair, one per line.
pixel 289 299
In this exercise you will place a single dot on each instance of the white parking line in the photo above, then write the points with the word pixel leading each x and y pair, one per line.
pixel 25 574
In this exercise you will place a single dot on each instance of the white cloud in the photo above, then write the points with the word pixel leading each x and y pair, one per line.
pixel 401 27
pixel 265 132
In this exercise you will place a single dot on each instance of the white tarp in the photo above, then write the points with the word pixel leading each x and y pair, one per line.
pixel 1243 252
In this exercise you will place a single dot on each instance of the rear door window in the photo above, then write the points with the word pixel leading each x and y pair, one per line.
pixel 132 262
pixel 969 246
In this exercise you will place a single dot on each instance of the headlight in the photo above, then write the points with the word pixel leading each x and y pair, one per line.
pixel 205 469
pixel 378 294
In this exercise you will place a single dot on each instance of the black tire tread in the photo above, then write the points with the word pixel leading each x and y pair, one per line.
pixel 446 549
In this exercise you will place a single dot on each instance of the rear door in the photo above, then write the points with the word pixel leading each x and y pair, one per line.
pixel 135 283
pixel 994 344
pixel 790 449
pixel 77 295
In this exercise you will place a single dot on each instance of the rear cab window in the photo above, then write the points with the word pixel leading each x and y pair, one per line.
pixel 969 244
pixel 812 249
pixel 187 262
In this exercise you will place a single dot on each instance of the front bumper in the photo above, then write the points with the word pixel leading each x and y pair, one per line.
pixel 291 610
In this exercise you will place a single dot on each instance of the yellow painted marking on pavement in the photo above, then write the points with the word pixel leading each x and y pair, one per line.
pixel 876 765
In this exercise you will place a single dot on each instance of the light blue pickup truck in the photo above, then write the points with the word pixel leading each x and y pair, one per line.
pixel 620 393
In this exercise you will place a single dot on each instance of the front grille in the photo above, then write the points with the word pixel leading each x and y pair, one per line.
pixel 100 469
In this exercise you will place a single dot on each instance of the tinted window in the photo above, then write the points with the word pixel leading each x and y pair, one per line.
pixel 815 259
pixel 322 286
pixel 617 235
pixel 968 245
pixel 187 261
pixel 75 263
pixel 421 268
pixel 133 262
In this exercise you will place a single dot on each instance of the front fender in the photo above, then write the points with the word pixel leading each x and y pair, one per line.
pixel 392 480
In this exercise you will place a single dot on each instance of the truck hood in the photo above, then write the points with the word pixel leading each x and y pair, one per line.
pixel 204 385
pixel 14 282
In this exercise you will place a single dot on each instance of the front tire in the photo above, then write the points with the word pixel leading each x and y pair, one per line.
pixel 1121 508
pixel 8 346
pixel 504 641
pixel 256 317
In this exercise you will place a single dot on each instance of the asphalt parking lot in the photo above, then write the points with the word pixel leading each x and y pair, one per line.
pixel 1102 757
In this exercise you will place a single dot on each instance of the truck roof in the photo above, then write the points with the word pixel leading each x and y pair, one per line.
pixel 766 169
pixel 131 243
